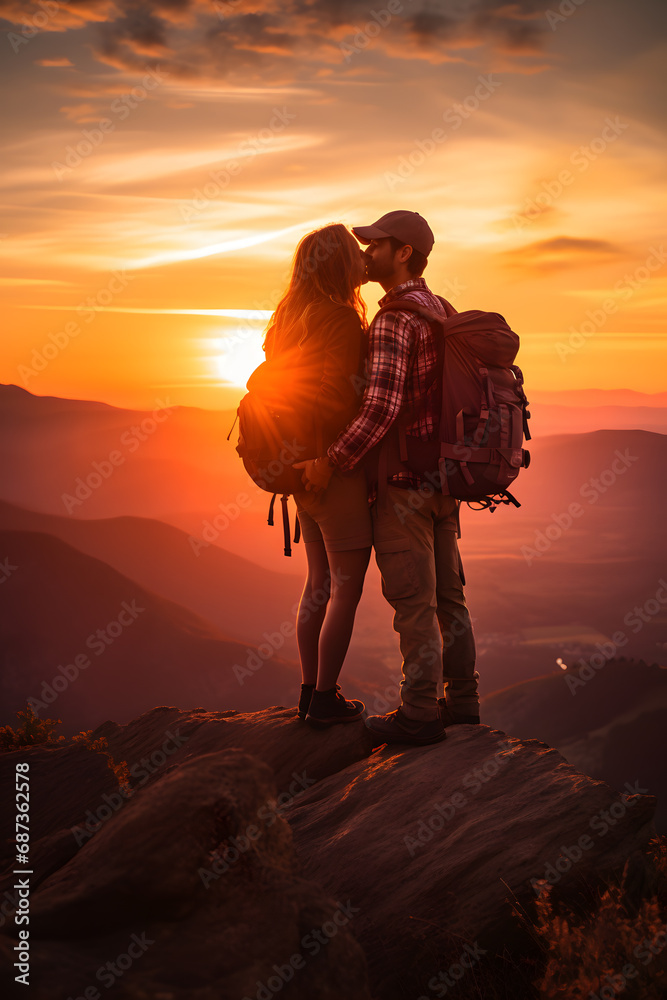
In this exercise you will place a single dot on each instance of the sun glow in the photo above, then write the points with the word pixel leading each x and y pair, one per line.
pixel 238 353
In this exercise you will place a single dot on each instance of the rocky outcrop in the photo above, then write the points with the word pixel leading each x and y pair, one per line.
pixel 253 855
pixel 438 845
pixel 609 720
pixel 297 755
pixel 64 784
pixel 190 891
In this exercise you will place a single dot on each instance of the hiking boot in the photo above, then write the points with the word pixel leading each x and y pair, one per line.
pixel 329 707
pixel 452 718
pixel 396 727
pixel 304 700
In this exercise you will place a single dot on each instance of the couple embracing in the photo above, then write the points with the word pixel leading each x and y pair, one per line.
pixel 357 492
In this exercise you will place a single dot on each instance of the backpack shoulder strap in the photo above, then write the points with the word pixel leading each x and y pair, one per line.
pixel 434 320
pixel 409 305
pixel 397 433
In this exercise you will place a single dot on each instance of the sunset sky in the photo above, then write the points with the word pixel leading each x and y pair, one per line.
pixel 163 159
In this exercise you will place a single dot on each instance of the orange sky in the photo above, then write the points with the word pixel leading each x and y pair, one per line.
pixel 162 161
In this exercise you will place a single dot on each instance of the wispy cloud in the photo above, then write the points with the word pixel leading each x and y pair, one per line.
pixel 561 252
pixel 226 246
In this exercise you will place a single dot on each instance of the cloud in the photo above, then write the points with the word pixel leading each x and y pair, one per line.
pixel 561 252
pixel 64 61
pixel 273 40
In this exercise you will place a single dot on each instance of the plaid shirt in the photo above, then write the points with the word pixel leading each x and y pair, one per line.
pixel 402 353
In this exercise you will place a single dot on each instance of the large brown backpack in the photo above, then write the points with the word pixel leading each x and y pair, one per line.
pixel 477 450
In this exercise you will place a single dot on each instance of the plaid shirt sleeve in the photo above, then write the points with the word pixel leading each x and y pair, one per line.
pixel 391 339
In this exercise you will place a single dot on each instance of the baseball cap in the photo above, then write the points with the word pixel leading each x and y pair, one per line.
pixel 409 227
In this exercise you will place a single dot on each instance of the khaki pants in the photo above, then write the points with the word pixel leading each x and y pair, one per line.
pixel 416 548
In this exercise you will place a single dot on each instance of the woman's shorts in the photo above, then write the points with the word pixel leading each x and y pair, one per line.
pixel 340 516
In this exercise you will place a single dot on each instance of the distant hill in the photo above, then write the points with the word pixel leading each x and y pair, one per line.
pixel 90 460
pixel 599 397
pixel 551 568
pixel 613 726
pixel 135 650
pixel 539 578
pixel 580 411
pixel 549 419
pixel 226 590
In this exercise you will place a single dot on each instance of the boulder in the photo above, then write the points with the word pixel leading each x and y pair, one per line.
pixel 190 891
pixel 437 846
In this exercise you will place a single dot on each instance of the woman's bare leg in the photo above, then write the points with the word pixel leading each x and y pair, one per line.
pixel 348 570
pixel 312 609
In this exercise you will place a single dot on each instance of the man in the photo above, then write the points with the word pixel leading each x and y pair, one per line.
pixel 414 524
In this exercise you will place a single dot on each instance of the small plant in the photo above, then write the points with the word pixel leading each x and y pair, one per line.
pixel 616 951
pixel 120 771
pixel 32 732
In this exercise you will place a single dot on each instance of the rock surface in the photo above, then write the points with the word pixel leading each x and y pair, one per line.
pixel 408 861
pixel 447 838
pixel 190 891
pixel 64 783
pixel 291 748
pixel 612 724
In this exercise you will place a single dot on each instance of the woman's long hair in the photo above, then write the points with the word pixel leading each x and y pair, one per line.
pixel 325 265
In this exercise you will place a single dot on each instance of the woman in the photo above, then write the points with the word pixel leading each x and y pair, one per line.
pixel 319 330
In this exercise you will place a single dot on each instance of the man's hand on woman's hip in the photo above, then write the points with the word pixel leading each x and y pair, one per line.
pixel 317 473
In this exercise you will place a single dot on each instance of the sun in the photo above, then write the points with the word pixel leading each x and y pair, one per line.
pixel 239 353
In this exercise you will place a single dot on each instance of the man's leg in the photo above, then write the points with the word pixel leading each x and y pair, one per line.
pixel 458 641
pixel 403 541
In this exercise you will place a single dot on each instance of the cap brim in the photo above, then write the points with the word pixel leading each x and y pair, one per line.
pixel 367 233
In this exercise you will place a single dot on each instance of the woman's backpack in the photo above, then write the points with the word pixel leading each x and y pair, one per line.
pixel 277 428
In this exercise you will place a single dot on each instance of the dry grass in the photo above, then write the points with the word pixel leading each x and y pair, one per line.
pixel 620 950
